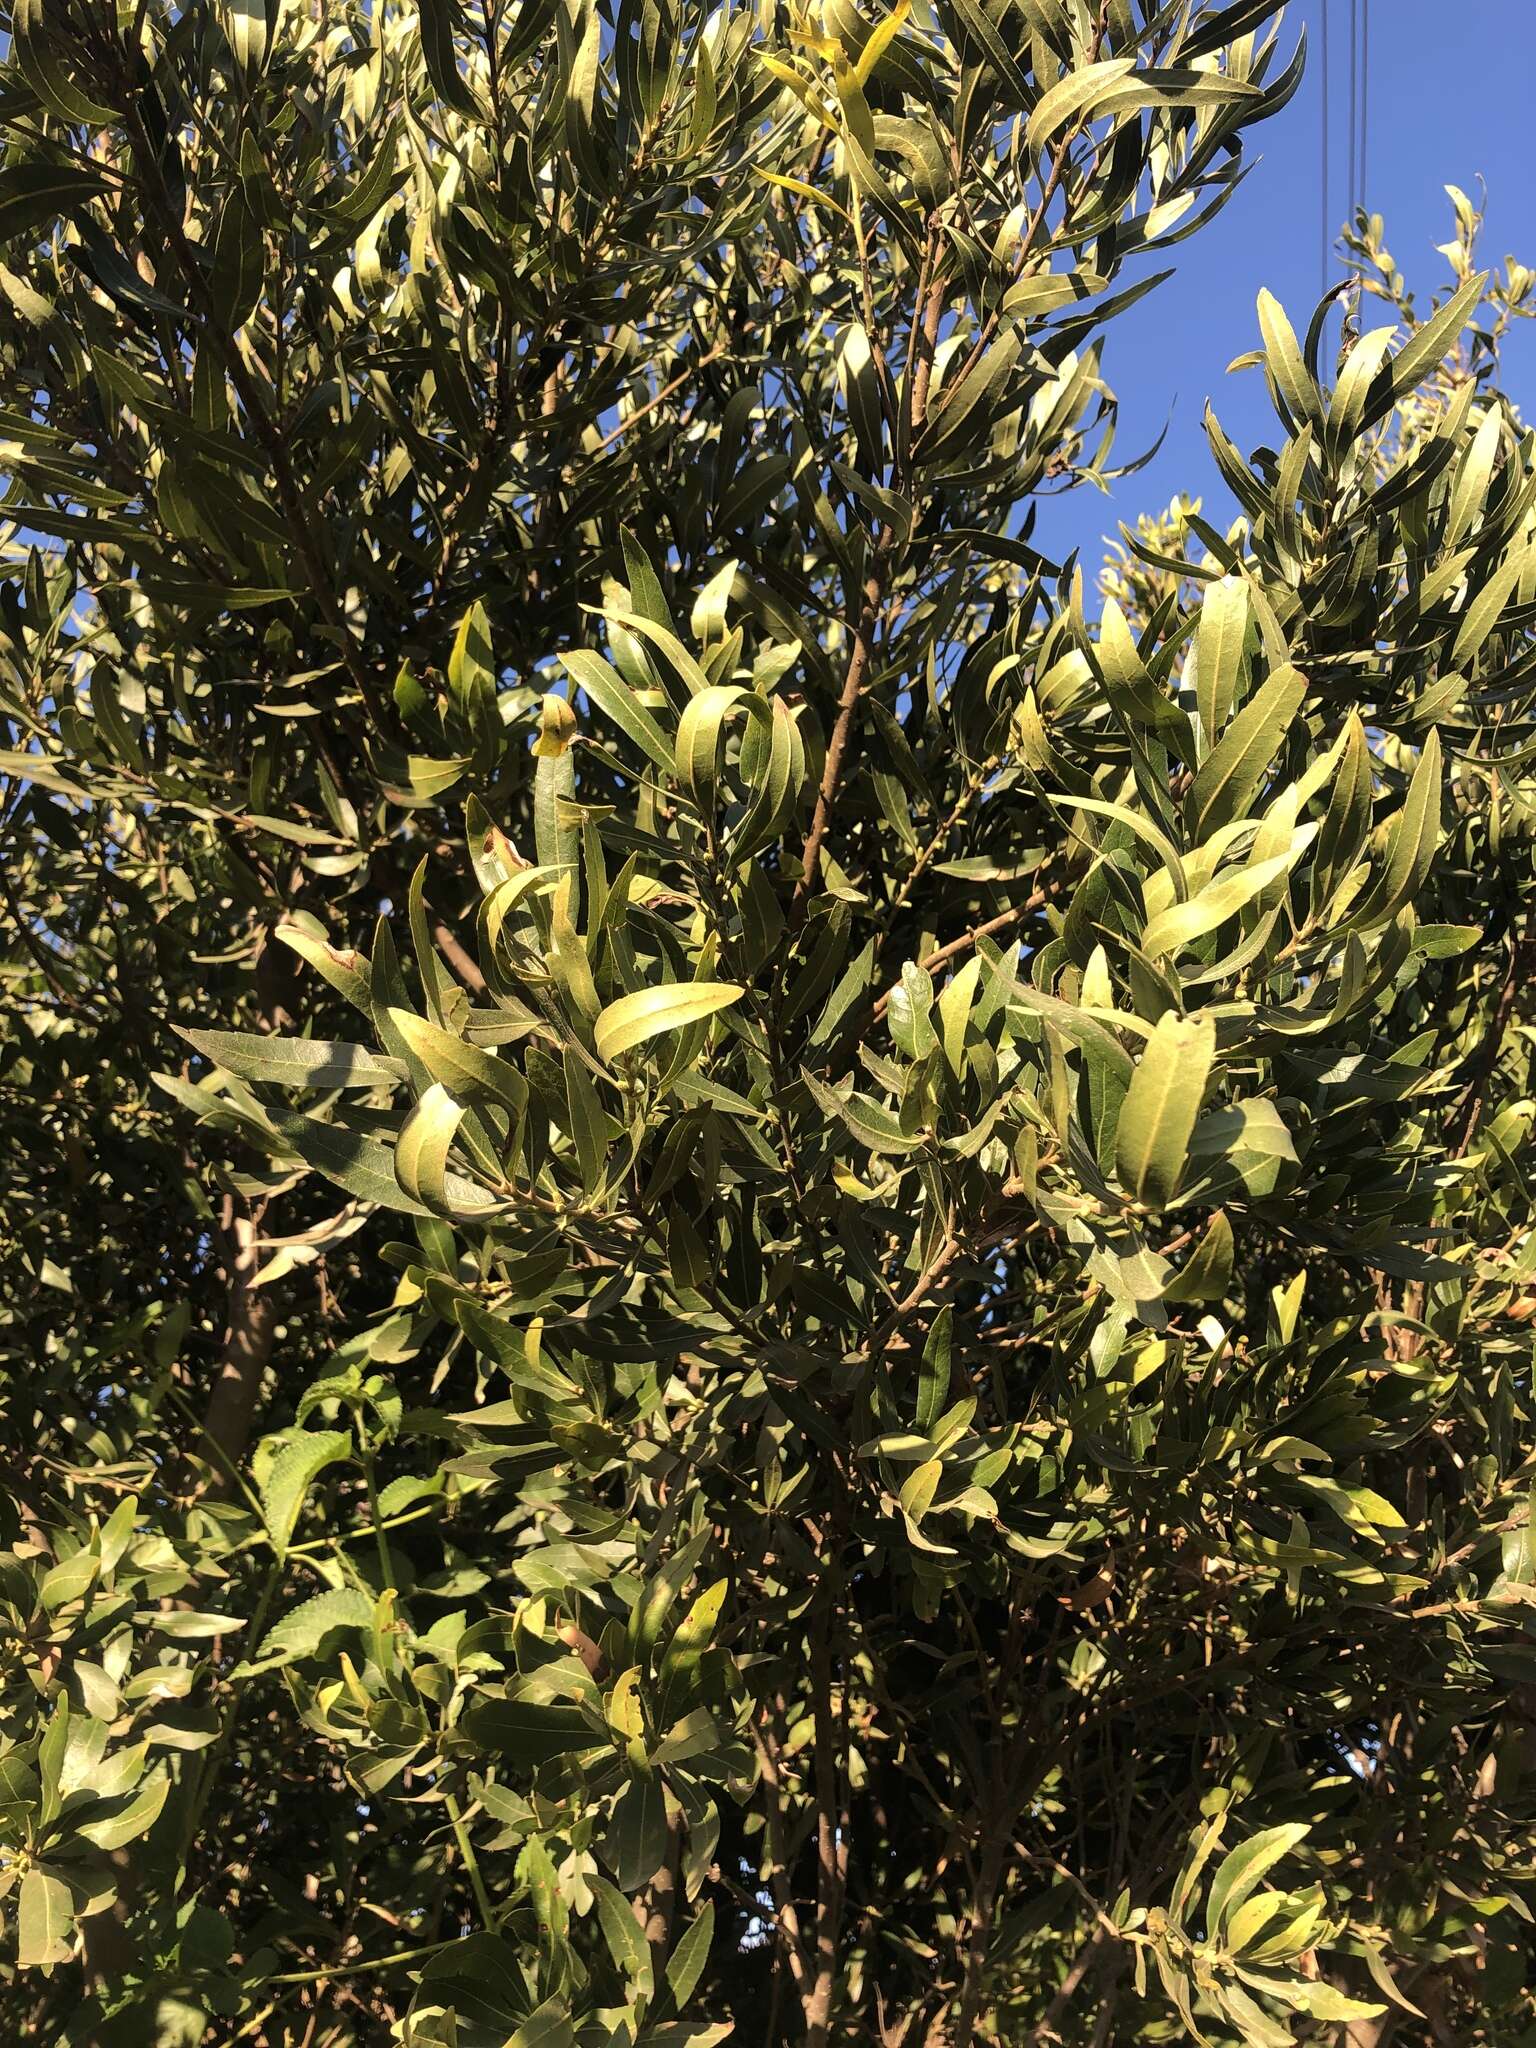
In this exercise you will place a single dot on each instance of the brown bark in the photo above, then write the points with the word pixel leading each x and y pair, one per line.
pixel 859 658
pixel 831 1839
pixel 463 965
pixel 249 1330
pixel 656 1906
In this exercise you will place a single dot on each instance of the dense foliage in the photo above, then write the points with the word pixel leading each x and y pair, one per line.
pixel 764 1276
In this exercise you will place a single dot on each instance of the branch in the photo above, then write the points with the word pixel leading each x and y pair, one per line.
pixel 786 1914
pixel 462 963
pixel 831 1837
pixel 1481 1067
pixel 1014 914
pixel 250 1328
pixel 859 657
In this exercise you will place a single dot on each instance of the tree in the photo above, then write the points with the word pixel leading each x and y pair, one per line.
pixel 755 1283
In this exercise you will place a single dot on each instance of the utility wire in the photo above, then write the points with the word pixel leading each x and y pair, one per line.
pixel 1326 220
pixel 1364 95
pixel 1354 102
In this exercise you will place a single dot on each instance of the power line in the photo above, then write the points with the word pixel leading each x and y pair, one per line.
pixel 1354 52
pixel 1326 227
pixel 1364 95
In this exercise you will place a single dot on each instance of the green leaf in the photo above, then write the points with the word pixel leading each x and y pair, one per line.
pixel 295 1062
pixel 933 1381
pixel 461 1068
pixel 618 702
pixel 428 778
pixel 874 1127
pixel 1485 606
pixel 1231 772
pixel 909 1013
pixel 1157 1118
pixel 35 195
pixel 1182 923
pixel 626 1943
pixel 649 1012
pixel 682 1660
pixel 42 70
pixel 1074 97
pixel 528 1733
pixel 634 1845
pixel 1326 2003
pixel 1114 86
pixel 1242 1868
pixel 1415 839
pixel 70 1578
pixel 963 413
pixel 291 1474
pixel 346 971
pixel 421 1155
pixel 363 1166
pixel 1429 342
pixel 133 1816
pixel 304 1628
pixel 1223 630
pixel 686 1964
pixel 1302 398
pixel 45 1921
pixel 1206 1274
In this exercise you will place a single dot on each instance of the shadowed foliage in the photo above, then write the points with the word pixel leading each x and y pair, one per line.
pixel 768 1268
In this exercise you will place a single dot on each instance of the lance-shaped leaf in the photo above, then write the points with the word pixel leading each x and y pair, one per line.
pixel 1157 1117
pixel 364 1166
pixel 617 701
pixel 346 971
pixel 1182 923
pixel 295 1062
pixel 1231 772
pixel 1241 1869
pixel 650 1012
pixel 685 1965
pixel 1415 837
pixel 462 1068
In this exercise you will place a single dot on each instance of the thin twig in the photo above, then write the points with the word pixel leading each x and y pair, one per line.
pixel 1015 913
pixel 666 391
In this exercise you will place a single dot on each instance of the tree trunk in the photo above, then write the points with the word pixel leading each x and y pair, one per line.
pixel 248 1335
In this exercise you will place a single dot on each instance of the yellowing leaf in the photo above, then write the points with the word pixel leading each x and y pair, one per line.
pixel 649 1012
pixel 1158 1115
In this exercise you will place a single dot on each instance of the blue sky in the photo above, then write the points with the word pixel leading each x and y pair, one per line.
pixel 1448 102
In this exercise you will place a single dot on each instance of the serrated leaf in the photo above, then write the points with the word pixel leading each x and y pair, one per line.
pixel 291 1474
pixel 304 1628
